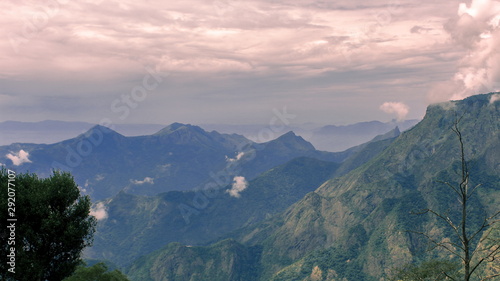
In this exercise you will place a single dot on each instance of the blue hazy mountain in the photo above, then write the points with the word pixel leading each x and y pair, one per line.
pixel 137 224
pixel 327 138
pixel 178 157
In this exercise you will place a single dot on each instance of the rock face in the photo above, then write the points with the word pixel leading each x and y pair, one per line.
pixel 356 226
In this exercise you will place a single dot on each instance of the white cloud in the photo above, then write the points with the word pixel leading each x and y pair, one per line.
pixel 399 108
pixel 476 29
pixel 19 158
pixel 238 157
pixel 239 184
pixel 99 211
pixel 494 98
pixel 147 180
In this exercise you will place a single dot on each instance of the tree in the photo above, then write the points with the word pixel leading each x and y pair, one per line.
pixel 97 272
pixel 50 223
pixel 472 245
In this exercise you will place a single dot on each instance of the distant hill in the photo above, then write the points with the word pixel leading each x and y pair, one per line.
pixel 136 225
pixel 178 157
pixel 332 138
pixel 356 227
pixel 328 138
pixel 340 138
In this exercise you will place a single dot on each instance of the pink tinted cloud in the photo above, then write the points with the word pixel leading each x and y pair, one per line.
pixel 203 36
pixel 222 49
pixel 476 28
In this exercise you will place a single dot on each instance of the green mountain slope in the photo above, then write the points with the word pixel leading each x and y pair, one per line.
pixel 225 260
pixel 356 227
pixel 137 224
pixel 374 202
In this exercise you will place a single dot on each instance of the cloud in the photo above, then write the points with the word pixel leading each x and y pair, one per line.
pixel 399 108
pixel 19 158
pixel 239 184
pixel 476 29
pixel 219 53
pixel 147 180
pixel 99 211
pixel 494 98
pixel 238 157
pixel 420 29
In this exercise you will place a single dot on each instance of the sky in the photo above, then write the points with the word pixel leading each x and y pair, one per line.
pixel 241 61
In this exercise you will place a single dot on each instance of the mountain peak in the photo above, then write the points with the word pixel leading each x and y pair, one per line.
pixel 176 126
pixel 97 129
pixel 289 134
pixel 482 107
pixel 291 140
pixel 389 135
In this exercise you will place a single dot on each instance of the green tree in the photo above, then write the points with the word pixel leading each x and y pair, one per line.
pixel 52 226
pixel 97 272
pixel 471 243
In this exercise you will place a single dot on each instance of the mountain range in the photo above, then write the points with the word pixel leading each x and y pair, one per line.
pixel 328 138
pixel 188 204
pixel 137 224
pixel 178 157
pixel 358 224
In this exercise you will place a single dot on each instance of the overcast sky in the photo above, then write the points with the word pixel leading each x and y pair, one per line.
pixel 234 61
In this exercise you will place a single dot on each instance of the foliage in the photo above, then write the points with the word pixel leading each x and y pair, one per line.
pixel 137 224
pixel 324 265
pixel 97 272
pixel 467 241
pixel 225 260
pixel 427 271
pixel 53 226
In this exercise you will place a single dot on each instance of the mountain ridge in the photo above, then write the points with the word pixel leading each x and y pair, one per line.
pixel 355 227
pixel 178 157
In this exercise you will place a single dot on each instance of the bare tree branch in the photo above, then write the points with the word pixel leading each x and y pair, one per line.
pixel 441 244
pixel 469 247
pixel 491 255
pixel 473 190
pixel 491 276
pixel 451 186
pixel 448 276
